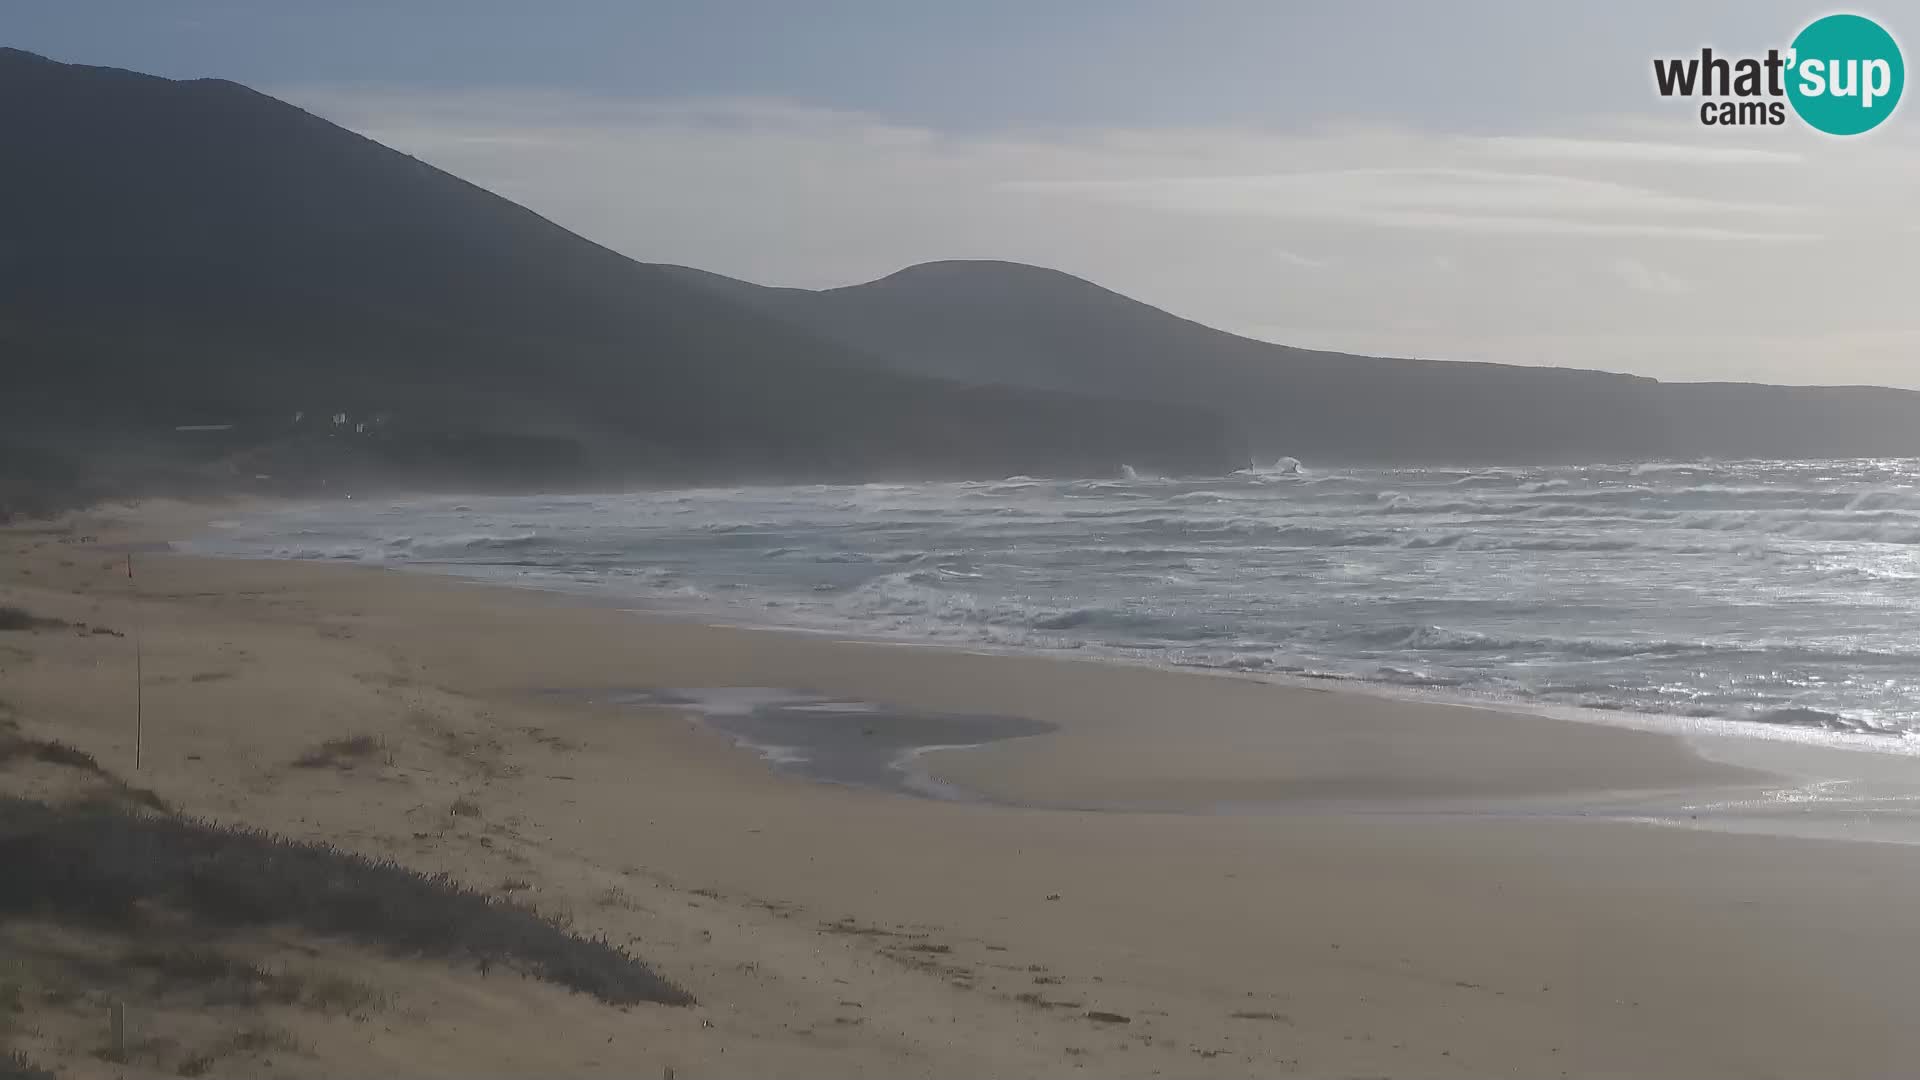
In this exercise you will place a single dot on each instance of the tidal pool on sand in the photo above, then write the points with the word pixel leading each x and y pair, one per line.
pixel 838 740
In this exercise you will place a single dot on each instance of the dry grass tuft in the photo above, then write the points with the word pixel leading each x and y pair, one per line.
pixel 14 747
pixel 341 753
pixel 247 1042
pixel 15 1066
pixel 13 618
pixel 104 866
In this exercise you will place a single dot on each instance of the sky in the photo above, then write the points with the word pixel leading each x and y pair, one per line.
pixel 1468 181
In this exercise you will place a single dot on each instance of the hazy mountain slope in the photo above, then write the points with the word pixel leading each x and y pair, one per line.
pixel 1011 323
pixel 195 252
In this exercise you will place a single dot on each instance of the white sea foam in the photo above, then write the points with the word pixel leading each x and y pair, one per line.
pixel 1769 593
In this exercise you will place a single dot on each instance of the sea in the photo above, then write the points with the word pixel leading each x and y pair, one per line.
pixel 1768 596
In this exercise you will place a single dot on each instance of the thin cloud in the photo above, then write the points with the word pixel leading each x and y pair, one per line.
pixel 1429 197
pixel 1652 279
pixel 1544 226
pixel 1558 149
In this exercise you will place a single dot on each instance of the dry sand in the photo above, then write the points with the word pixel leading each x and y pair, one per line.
pixel 834 930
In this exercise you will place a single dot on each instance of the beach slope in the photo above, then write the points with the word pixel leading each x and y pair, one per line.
pixel 1375 910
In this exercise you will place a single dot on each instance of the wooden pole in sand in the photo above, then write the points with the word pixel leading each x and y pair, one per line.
pixel 139 683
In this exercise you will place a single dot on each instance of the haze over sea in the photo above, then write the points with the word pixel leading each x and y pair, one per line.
pixel 1783 594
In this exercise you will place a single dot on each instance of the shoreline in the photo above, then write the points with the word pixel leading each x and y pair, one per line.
pixel 1680 768
pixel 1495 622
pixel 1717 736
pixel 834 929
pixel 1782 781
pixel 1777 764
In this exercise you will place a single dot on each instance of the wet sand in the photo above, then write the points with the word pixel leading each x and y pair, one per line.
pixel 847 929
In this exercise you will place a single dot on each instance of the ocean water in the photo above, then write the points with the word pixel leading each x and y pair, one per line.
pixel 1784 594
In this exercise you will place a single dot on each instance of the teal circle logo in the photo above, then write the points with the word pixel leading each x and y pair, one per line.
pixel 1845 75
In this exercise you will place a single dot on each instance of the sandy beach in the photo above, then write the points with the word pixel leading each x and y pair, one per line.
pixel 1176 874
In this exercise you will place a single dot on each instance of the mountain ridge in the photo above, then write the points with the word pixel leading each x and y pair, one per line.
pixel 1051 273
pixel 994 321
pixel 185 253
